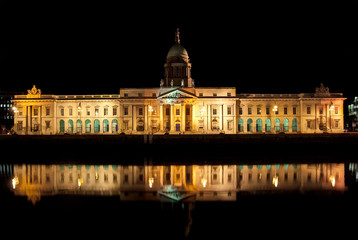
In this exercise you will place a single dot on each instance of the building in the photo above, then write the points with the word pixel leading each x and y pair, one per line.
pixel 352 123
pixel 6 112
pixel 178 106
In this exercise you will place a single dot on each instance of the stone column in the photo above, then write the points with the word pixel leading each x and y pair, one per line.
pixel 161 123
pixel 134 118
pixel 193 120
pixel 172 117
pixel 30 122
pixel 182 111
pixel 221 112
pixel 208 126
pixel 146 127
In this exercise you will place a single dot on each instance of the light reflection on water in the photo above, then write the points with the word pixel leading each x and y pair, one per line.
pixel 205 182
pixel 256 195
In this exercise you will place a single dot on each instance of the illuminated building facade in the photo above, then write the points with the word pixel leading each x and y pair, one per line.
pixel 178 106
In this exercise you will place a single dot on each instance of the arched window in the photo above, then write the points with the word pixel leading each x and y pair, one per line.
pixel 249 125
pixel 88 126
pixel 285 125
pixel 79 126
pixel 259 125
pixel 70 126
pixel 105 125
pixel 268 125
pixel 277 125
pixel 96 126
pixel 294 125
pixel 114 125
pixel 240 125
pixel 62 126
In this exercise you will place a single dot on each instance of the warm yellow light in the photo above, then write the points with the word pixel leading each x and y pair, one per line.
pixel 96 176
pixel 202 110
pixel 332 180
pixel 150 108
pixel 14 182
pixel 203 182
pixel 15 109
pixel 79 182
pixel 151 181
pixel 275 181
pixel 275 108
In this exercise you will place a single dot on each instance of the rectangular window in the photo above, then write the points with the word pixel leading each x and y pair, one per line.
pixel 308 110
pixel 105 111
pixel 267 111
pixel 229 94
pixel 114 111
pixel 177 111
pixel 167 111
pixel 249 111
pixel 214 94
pixel 70 111
pixel 47 111
pixel 294 110
pixel 336 125
pixel 125 111
pixel 36 112
pixel 140 111
pixel 125 94
pixel 335 110
pixel 125 124
pixel 308 123
pixel 228 110
pixel 140 94
pixel 214 111
pixel 154 94
pixel 96 111
pixel 47 124
pixel 285 110
pixel 240 110
pixel 187 111
pixel 88 111
pixel 320 110
pixel 62 112
pixel 19 125
pixel 229 124
pixel 20 111
pixel 258 110
pixel 200 94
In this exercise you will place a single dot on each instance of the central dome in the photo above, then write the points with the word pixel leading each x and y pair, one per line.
pixel 177 50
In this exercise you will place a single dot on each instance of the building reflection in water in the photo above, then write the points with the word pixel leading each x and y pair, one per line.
pixel 207 182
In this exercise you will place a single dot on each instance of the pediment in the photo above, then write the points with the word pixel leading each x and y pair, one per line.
pixel 176 93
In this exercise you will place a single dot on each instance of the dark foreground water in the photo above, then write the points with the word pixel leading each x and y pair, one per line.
pixel 272 200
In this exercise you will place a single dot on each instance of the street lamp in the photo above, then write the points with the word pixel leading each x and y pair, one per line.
pixel 331 108
pixel 275 108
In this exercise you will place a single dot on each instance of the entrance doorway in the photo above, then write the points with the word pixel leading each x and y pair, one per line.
pixel 177 127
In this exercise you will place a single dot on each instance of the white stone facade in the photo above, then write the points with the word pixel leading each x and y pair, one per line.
pixel 178 106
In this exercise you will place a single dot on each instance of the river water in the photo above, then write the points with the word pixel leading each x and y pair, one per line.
pixel 272 200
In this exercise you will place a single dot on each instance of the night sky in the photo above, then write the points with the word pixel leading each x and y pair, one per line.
pixel 95 47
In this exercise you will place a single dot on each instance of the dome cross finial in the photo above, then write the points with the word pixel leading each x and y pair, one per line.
pixel 177 38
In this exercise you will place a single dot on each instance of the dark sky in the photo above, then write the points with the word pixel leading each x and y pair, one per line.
pixel 257 48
